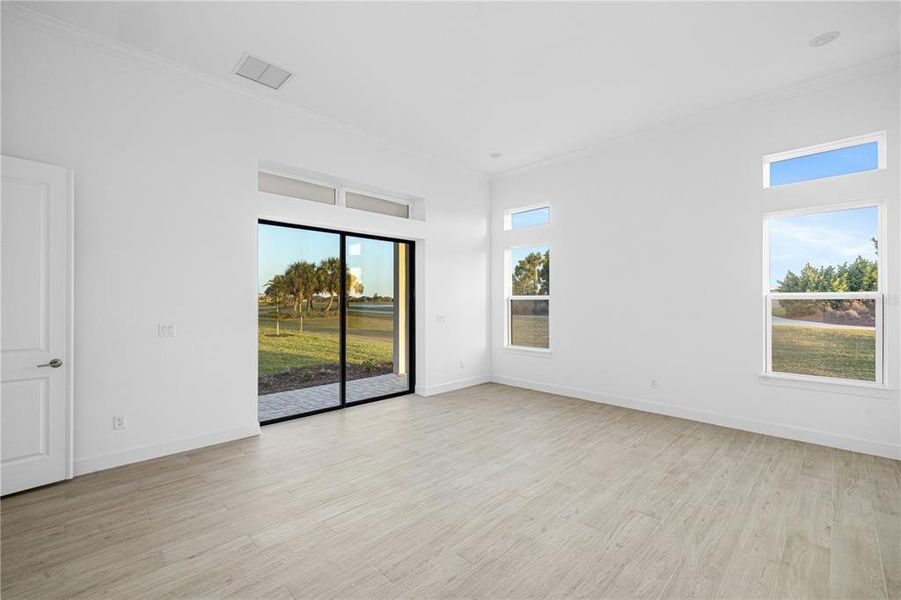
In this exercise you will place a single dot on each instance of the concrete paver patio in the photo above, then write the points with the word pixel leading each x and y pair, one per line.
pixel 295 402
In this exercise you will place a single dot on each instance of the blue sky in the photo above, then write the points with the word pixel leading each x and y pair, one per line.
pixel 517 254
pixel 530 218
pixel 863 157
pixel 371 260
pixel 829 238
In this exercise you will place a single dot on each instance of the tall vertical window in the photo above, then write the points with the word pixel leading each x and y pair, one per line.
pixel 823 298
pixel 528 294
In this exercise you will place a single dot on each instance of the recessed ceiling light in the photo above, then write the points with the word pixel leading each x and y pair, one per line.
pixel 824 38
pixel 255 69
pixel 496 154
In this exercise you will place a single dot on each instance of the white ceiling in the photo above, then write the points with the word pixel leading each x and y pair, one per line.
pixel 531 80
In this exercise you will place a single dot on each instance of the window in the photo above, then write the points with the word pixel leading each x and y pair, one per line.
pixel 336 323
pixel 528 297
pixel 527 217
pixel 823 299
pixel 852 155
pixel 285 180
pixel 377 205
pixel 295 188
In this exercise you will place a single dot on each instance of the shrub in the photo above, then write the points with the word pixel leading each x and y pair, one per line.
pixel 370 365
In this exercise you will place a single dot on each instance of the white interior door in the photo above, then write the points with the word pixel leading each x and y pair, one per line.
pixel 35 324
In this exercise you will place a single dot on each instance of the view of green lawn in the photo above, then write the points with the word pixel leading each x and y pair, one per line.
pixel 311 355
pixel 845 352
pixel 530 331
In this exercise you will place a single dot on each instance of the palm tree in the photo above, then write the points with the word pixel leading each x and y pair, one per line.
pixel 354 285
pixel 304 283
pixel 295 285
pixel 329 272
pixel 276 290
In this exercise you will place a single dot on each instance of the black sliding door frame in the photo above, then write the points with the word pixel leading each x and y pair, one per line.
pixel 342 316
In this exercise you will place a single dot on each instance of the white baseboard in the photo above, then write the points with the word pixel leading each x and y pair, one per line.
pixel 450 386
pixel 790 432
pixel 100 462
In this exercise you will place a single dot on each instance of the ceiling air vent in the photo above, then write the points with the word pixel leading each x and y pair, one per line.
pixel 251 67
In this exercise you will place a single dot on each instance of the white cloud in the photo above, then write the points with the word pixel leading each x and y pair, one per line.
pixel 817 243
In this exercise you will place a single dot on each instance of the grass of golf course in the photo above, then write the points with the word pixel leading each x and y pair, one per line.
pixel 530 331
pixel 370 340
pixel 845 352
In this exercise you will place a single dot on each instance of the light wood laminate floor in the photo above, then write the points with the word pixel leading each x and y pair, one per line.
pixel 491 491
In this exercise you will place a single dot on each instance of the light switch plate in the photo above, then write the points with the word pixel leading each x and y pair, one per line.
pixel 166 330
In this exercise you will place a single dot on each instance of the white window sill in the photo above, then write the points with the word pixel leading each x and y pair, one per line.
pixel 526 351
pixel 822 384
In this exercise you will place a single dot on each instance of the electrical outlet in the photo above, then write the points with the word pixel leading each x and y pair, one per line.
pixel 654 384
pixel 440 319
pixel 119 422
pixel 165 330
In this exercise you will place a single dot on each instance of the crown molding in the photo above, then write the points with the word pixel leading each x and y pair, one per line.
pixel 808 86
pixel 19 13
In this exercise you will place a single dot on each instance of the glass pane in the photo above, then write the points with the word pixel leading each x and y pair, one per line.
pixel 376 205
pixel 853 159
pixel 531 271
pixel 529 323
pixel 378 289
pixel 285 186
pixel 832 251
pixel 299 333
pixel 828 338
pixel 530 218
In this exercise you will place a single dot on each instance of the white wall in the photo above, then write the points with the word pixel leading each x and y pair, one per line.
pixel 656 267
pixel 166 209
pixel 166 206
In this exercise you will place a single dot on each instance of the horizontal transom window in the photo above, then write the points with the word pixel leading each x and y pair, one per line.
pixel 296 188
pixel 842 157
pixel 377 205
pixel 527 217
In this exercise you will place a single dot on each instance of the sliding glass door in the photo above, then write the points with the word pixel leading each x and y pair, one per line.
pixel 377 317
pixel 335 320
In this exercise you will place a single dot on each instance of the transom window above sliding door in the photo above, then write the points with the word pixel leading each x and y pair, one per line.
pixel 823 300
pixel 328 189
pixel 528 294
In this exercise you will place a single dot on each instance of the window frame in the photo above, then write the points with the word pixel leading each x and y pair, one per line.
pixel 309 180
pixel 342 200
pixel 877 136
pixel 415 205
pixel 880 382
pixel 508 215
pixel 509 297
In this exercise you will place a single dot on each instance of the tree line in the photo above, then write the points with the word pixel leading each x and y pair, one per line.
pixel 532 275
pixel 862 275
pixel 304 280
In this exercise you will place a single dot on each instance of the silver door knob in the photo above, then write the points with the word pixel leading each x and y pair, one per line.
pixel 55 364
